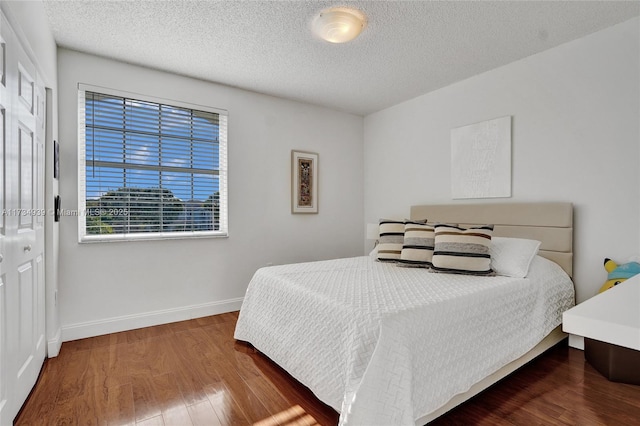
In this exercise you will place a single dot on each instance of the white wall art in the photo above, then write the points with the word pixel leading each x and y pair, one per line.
pixel 481 159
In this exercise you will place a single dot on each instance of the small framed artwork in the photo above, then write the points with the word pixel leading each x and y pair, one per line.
pixel 56 159
pixel 304 182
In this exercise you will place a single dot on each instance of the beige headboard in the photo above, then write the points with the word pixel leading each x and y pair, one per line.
pixel 550 223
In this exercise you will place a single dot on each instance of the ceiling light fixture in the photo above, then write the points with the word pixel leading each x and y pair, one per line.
pixel 339 24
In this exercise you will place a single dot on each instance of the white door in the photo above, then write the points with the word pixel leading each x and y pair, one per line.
pixel 22 307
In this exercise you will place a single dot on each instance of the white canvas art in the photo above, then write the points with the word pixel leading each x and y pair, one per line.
pixel 481 159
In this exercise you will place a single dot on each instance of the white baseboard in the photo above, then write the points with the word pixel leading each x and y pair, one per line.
pixel 576 342
pixel 53 345
pixel 147 319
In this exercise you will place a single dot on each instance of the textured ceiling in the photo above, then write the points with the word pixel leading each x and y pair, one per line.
pixel 408 47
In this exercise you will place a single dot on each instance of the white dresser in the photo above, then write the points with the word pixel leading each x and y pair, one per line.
pixel 610 324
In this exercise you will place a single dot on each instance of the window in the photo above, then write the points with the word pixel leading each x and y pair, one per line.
pixel 150 169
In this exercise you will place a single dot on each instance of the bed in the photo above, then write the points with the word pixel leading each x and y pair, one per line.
pixel 382 344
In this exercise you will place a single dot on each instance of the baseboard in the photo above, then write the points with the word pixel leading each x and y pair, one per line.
pixel 147 319
pixel 53 345
pixel 576 342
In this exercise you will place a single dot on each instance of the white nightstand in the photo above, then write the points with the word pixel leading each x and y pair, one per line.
pixel 610 324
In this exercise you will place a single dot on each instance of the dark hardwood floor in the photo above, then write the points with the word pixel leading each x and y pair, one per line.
pixel 194 373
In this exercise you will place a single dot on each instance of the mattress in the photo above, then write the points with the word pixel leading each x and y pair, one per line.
pixel 384 344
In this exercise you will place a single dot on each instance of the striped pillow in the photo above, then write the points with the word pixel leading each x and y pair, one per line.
pixel 463 251
pixel 417 248
pixel 390 241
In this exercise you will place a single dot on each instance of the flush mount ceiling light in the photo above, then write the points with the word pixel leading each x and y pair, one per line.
pixel 339 24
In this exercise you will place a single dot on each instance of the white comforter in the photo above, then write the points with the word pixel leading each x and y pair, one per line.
pixel 386 345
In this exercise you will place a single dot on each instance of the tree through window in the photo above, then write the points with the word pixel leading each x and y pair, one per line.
pixel 150 169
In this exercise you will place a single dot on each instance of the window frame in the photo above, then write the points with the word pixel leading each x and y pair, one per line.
pixel 83 237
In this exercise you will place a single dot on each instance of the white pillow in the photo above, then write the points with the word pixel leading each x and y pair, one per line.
pixel 374 253
pixel 511 257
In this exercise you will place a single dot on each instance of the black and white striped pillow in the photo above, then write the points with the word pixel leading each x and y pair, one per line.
pixel 390 240
pixel 417 249
pixel 462 251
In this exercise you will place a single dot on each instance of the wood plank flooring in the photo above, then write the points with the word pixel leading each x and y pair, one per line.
pixel 194 373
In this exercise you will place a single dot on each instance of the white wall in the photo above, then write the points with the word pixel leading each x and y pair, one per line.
pixel 31 25
pixel 110 286
pixel 576 137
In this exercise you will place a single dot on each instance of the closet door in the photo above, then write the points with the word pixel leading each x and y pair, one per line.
pixel 5 253
pixel 22 307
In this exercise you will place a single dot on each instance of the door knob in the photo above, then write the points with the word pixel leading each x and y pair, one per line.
pixel 27 248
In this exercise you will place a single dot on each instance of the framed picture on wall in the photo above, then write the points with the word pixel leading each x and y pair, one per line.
pixel 304 182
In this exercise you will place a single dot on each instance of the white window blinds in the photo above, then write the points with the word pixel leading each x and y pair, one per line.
pixel 150 169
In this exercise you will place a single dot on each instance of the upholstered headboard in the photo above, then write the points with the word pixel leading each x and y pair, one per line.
pixel 550 223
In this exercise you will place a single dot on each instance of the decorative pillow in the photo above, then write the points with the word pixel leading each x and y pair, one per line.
pixel 417 248
pixel 511 257
pixel 391 239
pixel 462 251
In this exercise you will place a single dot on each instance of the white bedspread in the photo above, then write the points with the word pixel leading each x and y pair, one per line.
pixel 386 345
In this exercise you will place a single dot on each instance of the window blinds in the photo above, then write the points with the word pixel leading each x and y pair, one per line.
pixel 151 168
